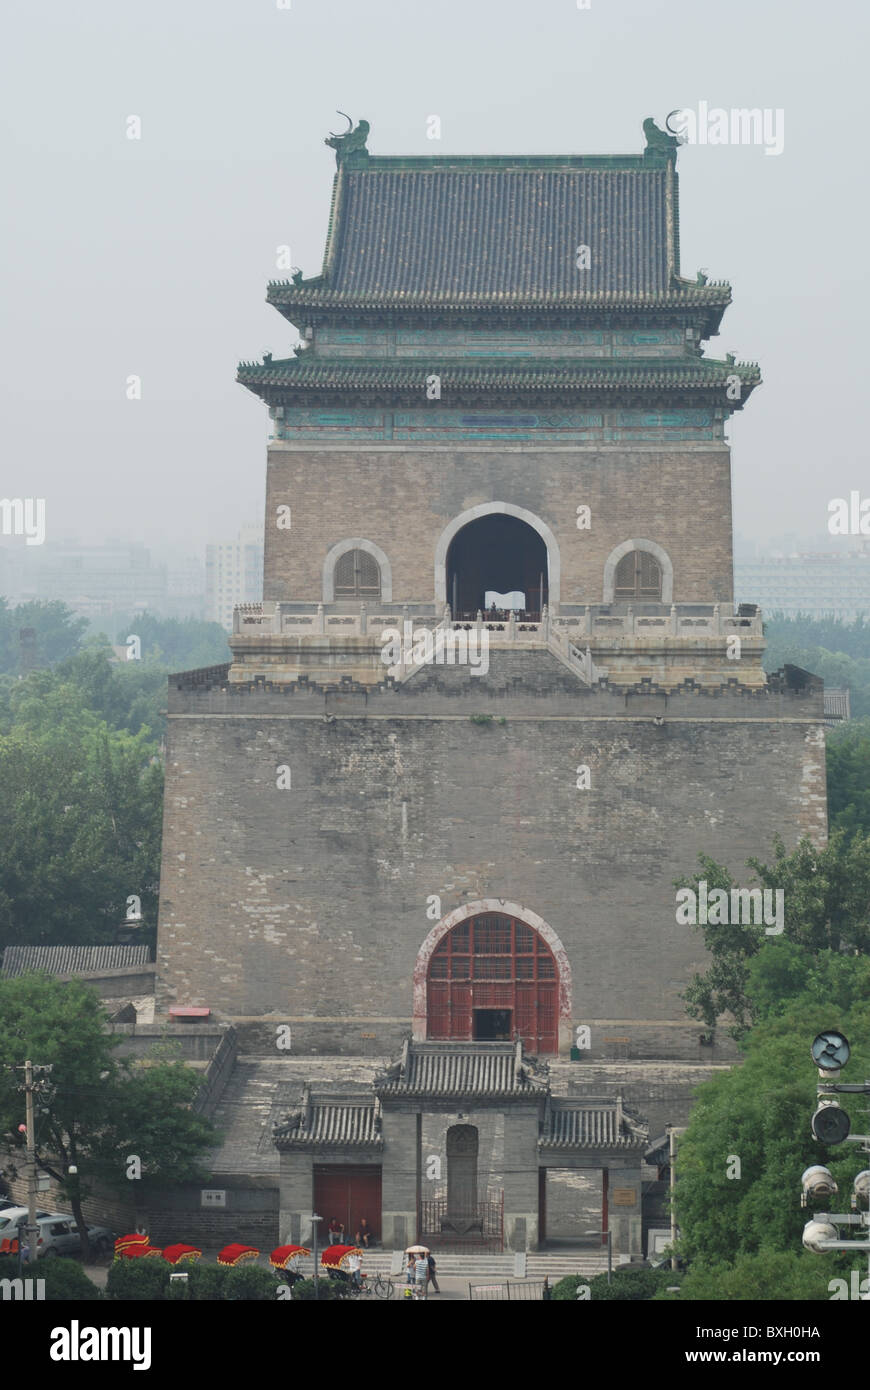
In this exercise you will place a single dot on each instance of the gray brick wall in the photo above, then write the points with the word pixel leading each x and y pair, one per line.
pixel 309 905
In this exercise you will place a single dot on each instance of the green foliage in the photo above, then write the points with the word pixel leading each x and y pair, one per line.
pixel 303 1290
pixel 484 720
pixel 80 819
pixel 134 1280
pixel 775 1275
pixel 252 1283
pixel 58 633
pixel 98 1109
pixel 628 1285
pixel 759 1112
pixel 66 1281
pixel 826 896
pixel 848 767
pixel 151 1117
pixel 175 644
pixel 837 651
pixel 206 1281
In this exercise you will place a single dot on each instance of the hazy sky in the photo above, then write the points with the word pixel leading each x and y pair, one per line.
pixel 151 257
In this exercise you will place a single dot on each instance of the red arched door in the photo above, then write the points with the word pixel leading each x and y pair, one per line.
pixel 494 978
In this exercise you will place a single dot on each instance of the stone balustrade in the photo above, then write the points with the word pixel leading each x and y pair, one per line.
pixel 598 623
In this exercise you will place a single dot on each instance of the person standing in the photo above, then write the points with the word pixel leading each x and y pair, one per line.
pixel 421 1275
pixel 432 1266
pixel 354 1269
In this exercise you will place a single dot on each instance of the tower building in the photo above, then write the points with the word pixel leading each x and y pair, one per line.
pixel 496 699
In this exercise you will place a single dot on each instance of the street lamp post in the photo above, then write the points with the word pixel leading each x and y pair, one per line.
pixel 314 1220
pixel 831 1125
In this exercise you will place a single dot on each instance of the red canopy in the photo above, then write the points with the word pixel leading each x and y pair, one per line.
pixel 280 1258
pixel 140 1252
pixel 176 1253
pixel 137 1238
pixel 235 1254
pixel 334 1256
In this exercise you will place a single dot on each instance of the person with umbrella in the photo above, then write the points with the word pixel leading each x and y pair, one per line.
pixel 421 1269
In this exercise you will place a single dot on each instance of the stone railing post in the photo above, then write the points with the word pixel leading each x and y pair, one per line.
pixel 512 626
pixel 363 620
pixel 545 623
pixel 674 625
pixel 587 621
pixel 320 621
pixel 718 625
pixel 629 622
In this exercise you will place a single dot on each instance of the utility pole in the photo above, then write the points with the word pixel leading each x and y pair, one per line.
pixel 672 1132
pixel 32 1228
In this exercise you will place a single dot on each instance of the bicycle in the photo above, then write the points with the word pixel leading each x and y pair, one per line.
pixel 379 1287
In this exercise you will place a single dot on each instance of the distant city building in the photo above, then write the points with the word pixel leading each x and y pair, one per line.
pixel 95 581
pixel 185 587
pixel 103 581
pixel 233 574
pixel 816 584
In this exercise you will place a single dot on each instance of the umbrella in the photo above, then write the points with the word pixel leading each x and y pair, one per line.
pixel 280 1258
pixel 417 1250
pixel 234 1254
pixel 335 1256
pixel 176 1253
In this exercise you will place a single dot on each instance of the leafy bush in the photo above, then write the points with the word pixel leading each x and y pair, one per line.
pixel 252 1283
pixel 779 1275
pixel 66 1281
pixel 206 1281
pixel 135 1280
pixel 629 1285
pixel 305 1289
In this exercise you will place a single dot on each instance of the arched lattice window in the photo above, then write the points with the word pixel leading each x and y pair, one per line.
pixel 357 575
pixel 638 576
pixel 493 978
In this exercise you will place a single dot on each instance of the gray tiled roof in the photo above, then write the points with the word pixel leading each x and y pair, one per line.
pixel 509 229
pixel 331 1121
pixel 448 1069
pixel 72 960
pixel 603 1126
pixel 539 381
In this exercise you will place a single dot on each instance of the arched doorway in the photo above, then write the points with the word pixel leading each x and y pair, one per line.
pixel 497 553
pixel 494 977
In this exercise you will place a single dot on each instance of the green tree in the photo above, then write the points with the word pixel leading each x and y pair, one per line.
pixel 97 1110
pixel 848 766
pixel 175 644
pixel 80 820
pixel 748 1140
pixel 58 632
pixel 826 897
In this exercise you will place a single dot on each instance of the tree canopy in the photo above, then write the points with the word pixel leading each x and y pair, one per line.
pixel 96 1111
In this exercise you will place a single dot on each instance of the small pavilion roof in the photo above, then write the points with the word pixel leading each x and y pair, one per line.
pixel 443 1069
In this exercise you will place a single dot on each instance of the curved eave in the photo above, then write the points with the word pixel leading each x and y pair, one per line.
pixel 315 303
pixel 298 382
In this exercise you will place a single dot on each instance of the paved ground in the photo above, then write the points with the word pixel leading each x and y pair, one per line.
pixel 453 1287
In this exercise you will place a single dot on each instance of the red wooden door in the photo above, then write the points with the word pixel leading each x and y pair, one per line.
pixel 348 1194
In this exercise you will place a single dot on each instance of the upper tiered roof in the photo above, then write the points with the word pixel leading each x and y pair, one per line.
pixel 454 234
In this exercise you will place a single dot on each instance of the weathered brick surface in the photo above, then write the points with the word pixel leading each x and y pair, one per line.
pixel 309 905
pixel 402 499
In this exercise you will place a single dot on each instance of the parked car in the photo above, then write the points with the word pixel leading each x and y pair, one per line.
pixel 58 1233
